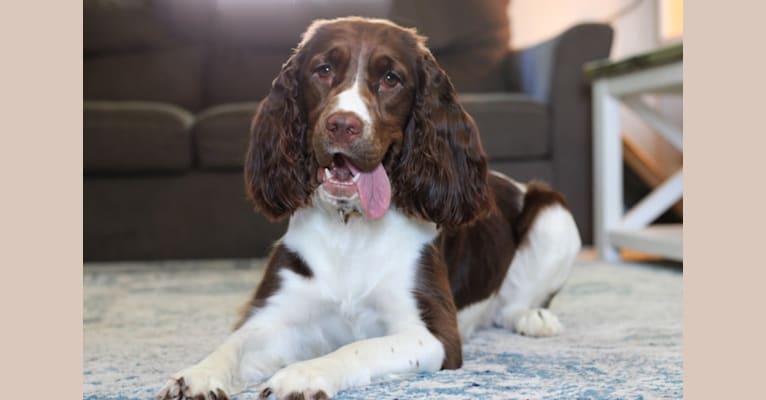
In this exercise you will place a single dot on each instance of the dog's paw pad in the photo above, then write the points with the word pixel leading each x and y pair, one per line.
pixel 537 323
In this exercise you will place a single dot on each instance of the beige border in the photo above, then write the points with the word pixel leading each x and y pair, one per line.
pixel 724 241
pixel 41 206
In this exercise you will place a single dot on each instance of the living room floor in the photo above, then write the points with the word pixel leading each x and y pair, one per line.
pixel 622 338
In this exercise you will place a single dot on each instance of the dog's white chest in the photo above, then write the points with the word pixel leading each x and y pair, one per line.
pixel 363 272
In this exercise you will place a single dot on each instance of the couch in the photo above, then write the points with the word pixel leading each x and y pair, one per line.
pixel 170 87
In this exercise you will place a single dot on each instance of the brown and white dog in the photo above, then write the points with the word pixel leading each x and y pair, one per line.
pixel 400 242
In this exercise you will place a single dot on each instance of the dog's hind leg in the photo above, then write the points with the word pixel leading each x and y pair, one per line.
pixel 539 269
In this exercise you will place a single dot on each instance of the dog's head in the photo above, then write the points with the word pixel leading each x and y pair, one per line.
pixel 361 116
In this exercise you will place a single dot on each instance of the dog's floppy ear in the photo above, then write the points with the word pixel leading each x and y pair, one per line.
pixel 278 162
pixel 441 172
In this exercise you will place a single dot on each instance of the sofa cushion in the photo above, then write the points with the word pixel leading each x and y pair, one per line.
pixel 512 125
pixel 135 137
pixel 169 76
pixel 221 133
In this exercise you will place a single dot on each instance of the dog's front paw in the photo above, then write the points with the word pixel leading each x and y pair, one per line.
pixel 537 323
pixel 306 380
pixel 193 383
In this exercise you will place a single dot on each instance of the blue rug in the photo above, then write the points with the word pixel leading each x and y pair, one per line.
pixel 622 337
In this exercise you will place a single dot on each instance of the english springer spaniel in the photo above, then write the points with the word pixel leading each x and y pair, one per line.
pixel 400 243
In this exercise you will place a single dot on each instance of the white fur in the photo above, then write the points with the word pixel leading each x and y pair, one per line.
pixel 475 316
pixel 359 362
pixel 360 297
pixel 351 99
pixel 537 322
pixel 540 267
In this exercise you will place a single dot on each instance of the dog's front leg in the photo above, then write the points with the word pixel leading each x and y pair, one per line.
pixel 214 377
pixel 247 356
pixel 413 349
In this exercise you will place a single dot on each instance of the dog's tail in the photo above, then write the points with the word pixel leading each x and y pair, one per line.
pixel 538 197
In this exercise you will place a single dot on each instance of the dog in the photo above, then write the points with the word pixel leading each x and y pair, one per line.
pixel 401 243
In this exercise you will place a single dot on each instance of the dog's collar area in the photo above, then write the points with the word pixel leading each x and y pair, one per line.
pixel 346 213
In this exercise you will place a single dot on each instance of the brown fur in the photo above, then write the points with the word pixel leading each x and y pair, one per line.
pixel 437 309
pixel 299 396
pixel 478 255
pixel 279 150
pixel 538 197
pixel 441 171
pixel 281 257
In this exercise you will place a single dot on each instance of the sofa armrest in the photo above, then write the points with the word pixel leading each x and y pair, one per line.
pixel 552 72
pixel 541 71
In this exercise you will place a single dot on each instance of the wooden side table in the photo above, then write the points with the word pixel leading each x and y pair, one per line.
pixel 624 82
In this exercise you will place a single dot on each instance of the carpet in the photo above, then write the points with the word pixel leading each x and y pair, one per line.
pixel 622 338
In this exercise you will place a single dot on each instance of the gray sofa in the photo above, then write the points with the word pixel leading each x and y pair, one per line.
pixel 170 87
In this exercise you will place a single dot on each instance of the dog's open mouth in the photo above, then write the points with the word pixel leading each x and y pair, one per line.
pixel 342 180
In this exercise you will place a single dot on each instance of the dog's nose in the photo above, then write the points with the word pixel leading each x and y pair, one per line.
pixel 344 127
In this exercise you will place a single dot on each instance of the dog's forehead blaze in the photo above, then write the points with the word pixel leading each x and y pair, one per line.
pixel 358 49
pixel 358 34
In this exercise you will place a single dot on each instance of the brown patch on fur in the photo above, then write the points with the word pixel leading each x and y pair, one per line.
pixel 538 197
pixel 440 173
pixel 437 309
pixel 221 395
pixel 478 255
pixel 279 163
pixel 320 395
pixel 281 257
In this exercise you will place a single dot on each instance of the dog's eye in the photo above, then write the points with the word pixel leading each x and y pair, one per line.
pixel 324 71
pixel 389 80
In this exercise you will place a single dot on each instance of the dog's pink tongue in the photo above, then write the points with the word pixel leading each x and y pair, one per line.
pixel 374 191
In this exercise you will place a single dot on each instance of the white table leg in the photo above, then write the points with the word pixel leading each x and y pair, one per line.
pixel 607 168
